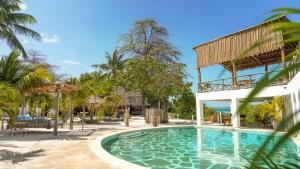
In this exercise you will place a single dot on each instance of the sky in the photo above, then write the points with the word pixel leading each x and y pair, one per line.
pixel 77 33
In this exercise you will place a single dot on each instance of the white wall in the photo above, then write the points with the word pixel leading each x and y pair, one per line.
pixel 292 88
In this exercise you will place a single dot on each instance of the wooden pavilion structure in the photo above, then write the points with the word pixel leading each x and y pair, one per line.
pixel 229 52
pixel 56 89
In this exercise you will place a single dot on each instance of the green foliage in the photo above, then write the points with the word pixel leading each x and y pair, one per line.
pixel 9 101
pixel 115 65
pixel 263 112
pixel 184 103
pixel 14 22
pixel 107 105
pixel 156 80
pixel 209 112
pixel 291 31
pixel 43 101
pixel 21 73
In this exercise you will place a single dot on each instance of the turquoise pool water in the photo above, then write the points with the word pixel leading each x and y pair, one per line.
pixel 192 148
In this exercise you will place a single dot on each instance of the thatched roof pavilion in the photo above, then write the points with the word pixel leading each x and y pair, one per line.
pixel 230 50
pixel 56 89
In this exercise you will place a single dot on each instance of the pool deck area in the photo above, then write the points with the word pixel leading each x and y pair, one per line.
pixel 73 149
pixel 68 150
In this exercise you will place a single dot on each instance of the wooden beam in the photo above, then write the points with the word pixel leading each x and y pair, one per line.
pixel 199 79
pixel 71 112
pixel 283 64
pixel 234 80
pixel 199 74
pixel 267 71
pixel 256 59
pixel 56 110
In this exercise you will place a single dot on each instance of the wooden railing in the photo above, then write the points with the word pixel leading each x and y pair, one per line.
pixel 242 82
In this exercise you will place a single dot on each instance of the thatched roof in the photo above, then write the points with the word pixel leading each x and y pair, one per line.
pixel 131 98
pixel 230 47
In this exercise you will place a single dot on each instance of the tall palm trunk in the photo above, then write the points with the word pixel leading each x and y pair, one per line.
pixel 23 103
pixel 92 112
pixel 116 106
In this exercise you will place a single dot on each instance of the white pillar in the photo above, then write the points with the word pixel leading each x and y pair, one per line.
pixel 235 117
pixel 199 110
pixel 297 105
pixel 294 107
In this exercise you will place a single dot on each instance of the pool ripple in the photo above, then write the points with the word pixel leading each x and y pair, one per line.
pixel 192 148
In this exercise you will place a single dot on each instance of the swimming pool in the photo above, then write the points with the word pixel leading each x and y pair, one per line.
pixel 192 148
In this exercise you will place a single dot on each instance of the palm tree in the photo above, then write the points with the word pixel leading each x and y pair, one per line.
pixel 82 94
pixel 43 101
pixel 114 66
pixel 23 75
pixel 13 22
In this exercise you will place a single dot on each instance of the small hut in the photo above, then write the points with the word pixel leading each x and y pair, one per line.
pixel 131 99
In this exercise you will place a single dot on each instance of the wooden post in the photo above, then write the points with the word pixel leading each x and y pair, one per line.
pixel 234 80
pixel 71 113
pixel 267 72
pixel 56 109
pixel 283 63
pixel 223 84
pixel 199 79
pixel 199 74
pixel 126 118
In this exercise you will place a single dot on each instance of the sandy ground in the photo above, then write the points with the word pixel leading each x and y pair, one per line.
pixel 69 150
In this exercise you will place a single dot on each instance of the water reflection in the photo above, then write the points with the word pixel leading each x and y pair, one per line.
pixel 229 147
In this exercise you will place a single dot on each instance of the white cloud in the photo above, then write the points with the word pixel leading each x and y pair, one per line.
pixel 23 6
pixel 70 62
pixel 25 41
pixel 50 39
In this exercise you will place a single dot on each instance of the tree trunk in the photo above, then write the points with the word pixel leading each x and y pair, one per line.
pixel 126 118
pixel 2 124
pixel 83 117
pixel 116 106
pixel 165 118
pixel 143 106
pixel 23 103
pixel 92 113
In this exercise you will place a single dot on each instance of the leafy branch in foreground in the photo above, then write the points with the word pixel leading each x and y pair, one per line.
pixel 291 32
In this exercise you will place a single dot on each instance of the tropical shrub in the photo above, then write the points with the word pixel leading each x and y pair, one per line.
pixel 9 102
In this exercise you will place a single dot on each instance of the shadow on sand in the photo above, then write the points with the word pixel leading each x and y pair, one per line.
pixel 15 157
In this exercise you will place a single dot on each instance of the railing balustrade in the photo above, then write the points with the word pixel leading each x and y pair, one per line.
pixel 243 82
